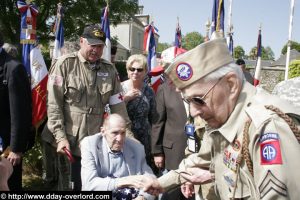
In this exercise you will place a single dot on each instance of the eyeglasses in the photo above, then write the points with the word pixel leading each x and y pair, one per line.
pixel 200 100
pixel 132 69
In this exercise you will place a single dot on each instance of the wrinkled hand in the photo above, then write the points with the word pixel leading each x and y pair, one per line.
pixel 131 94
pixel 152 186
pixel 197 175
pixel 6 170
pixel 61 145
pixel 159 161
pixel 14 158
pixel 187 189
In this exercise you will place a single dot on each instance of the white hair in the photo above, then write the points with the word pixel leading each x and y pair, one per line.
pixel 222 71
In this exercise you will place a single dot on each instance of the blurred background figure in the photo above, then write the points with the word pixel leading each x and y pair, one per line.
pixel 168 137
pixel 15 115
pixel 247 74
pixel 140 102
pixel 11 49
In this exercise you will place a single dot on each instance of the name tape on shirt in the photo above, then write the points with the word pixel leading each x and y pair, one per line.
pixel 115 99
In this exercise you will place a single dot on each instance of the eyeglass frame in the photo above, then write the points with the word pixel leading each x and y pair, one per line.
pixel 199 101
pixel 132 69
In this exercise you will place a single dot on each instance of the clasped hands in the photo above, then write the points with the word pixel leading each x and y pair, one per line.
pixel 151 185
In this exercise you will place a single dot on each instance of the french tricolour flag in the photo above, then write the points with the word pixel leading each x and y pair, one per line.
pixel 59 33
pixel 150 47
pixel 35 65
pixel 105 27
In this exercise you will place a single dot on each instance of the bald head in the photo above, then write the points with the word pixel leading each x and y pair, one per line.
pixel 114 119
pixel 114 131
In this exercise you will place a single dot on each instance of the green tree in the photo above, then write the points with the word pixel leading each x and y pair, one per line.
pixel 294 69
pixel 191 40
pixel 77 15
pixel 269 53
pixel 294 45
pixel 162 46
pixel 239 52
pixel 266 53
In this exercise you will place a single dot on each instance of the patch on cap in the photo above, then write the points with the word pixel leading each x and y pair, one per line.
pixel 184 71
pixel 94 35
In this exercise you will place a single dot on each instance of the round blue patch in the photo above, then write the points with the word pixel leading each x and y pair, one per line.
pixel 184 71
pixel 269 152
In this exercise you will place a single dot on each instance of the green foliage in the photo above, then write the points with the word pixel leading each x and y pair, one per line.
pixel 191 40
pixel 238 52
pixel 33 159
pixel 162 46
pixel 294 69
pixel 76 16
pixel 294 45
pixel 266 54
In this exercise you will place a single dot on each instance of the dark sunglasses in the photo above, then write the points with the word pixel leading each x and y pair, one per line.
pixel 200 100
pixel 135 69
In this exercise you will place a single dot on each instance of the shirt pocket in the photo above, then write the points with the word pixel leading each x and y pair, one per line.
pixel 74 89
pixel 105 89
pixel 242 188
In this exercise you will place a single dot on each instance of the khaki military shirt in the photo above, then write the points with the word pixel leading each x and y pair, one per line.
pixel 77 96
pixel 274 151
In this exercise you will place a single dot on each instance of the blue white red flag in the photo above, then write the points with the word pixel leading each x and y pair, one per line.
pixel 105 27
pixel 178 38
pixel 59 32
pixel 28 22
pixel 36 68
pixel 218 17
pixel 178 35
pixel 150 47
pixel 258 61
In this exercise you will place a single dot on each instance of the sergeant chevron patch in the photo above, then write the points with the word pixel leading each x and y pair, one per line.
pixel 269 183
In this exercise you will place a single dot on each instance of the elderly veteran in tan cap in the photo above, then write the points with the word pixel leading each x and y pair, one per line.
pixel 255 136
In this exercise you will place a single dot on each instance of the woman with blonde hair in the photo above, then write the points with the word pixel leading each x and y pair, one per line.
pixel 140 102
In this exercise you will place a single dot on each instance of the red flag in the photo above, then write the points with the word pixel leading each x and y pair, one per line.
pixel 39 78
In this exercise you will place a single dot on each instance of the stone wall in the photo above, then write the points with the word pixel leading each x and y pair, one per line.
pixel 270 76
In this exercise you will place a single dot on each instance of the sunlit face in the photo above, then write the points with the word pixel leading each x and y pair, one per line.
pixel 115 133
pixel 218 104
pixel 136 72
pixel 91 53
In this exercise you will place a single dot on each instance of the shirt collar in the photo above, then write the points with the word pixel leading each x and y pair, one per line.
pixel 83 60
pixel 238 117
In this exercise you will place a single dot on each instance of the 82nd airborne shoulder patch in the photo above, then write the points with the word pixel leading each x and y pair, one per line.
pixel 270 152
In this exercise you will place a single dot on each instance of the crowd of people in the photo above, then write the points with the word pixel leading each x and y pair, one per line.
pixel 207 126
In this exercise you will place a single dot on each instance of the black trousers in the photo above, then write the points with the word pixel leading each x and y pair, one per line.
pixel 15 180
pixel 76 173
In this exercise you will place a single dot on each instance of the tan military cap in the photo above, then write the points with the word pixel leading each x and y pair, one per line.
pixel 198 62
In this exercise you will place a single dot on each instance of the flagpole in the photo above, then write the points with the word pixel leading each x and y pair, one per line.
pixel 229 22
pixel 289 41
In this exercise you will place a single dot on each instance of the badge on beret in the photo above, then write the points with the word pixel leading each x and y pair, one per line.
pixel 184 71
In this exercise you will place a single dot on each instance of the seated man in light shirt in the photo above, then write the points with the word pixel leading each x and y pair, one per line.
pixel 112 162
